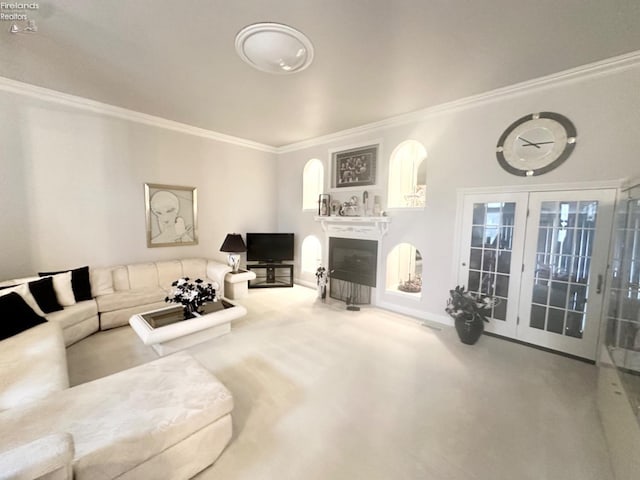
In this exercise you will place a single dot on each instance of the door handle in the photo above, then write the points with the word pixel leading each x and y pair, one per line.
pixel 599 286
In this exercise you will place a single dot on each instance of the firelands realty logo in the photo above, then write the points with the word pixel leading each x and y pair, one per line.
pixel 16 11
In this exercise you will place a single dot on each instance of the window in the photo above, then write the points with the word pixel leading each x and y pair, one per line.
pixel 407 175
pixel 312 184
pixel 404 269
pixel 311 255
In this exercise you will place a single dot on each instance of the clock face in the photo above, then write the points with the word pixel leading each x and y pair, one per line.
pixel 536 144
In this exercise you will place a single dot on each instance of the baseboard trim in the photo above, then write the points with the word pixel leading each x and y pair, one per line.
pixel 538 347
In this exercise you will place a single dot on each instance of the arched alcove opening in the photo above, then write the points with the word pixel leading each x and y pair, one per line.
pixel 407 175
pixel 404 270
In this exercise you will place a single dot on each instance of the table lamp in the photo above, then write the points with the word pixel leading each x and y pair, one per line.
pixel 234 245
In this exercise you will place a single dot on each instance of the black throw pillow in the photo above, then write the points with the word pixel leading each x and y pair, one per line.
pixel 80 282
pixel 16 316
pixel 45 295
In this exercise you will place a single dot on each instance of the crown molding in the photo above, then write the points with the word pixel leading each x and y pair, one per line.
pixel 53 96
pixel 591 70
pixel 601 68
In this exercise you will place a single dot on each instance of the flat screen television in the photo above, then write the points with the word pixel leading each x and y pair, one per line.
pixel 269 247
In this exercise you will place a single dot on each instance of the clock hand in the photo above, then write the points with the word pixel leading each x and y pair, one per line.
pixel 536 144
pixel 528 143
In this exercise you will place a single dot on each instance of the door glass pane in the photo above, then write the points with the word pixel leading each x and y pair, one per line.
pixel 555 322
pixel 490 255
pixel 500 310
pixel 475 260
pixel 565 242
pixel 538 315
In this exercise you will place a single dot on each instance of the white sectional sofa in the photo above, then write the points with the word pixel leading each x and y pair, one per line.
pixel 168 419
pixel 124 290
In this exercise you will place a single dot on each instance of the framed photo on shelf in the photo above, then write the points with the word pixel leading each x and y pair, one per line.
pixel 324 205
pixel 355 167
pixel 172 215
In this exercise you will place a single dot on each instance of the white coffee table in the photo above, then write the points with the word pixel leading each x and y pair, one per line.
pixel 167 332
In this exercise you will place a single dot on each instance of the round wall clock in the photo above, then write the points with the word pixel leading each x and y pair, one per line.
pixel 536 144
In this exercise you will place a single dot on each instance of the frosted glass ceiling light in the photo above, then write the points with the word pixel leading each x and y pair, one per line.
pixel 274 48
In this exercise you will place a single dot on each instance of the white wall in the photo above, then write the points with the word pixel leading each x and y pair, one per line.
pixel 460 143
pixel 71 187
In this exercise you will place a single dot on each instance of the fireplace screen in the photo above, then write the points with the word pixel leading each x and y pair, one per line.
pixel 353 260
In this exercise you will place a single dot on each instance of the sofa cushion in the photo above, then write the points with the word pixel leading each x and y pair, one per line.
pixel 47 458
pixel 16 316
pixel 17 281
pixel 130 298
pixel 74 314
pixel 142 275
pixel 45 295
pixel 33 365
pixel 80 282
pixel 120 421
pixel 120 276
pixel 168 272
pixel 194 268
pixel 119 318
pixel 25 293
pixel 101 281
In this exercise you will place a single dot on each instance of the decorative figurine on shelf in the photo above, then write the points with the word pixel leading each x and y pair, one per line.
pixel 321 280
pixel 350 208
pixel 413 285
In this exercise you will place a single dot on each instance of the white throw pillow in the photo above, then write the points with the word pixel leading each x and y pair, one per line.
pixel 62 286
pixel 25 293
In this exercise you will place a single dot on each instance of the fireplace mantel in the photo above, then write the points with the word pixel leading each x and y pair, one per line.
pixel 373 228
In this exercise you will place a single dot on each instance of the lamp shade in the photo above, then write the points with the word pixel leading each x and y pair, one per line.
pixel 233 244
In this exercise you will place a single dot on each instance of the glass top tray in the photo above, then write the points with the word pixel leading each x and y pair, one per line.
pixel 170 315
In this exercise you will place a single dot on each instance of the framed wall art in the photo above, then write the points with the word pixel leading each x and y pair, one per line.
pixel 172 215
pixel 355 167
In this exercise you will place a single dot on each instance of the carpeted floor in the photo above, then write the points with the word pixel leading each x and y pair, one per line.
pixel 324 393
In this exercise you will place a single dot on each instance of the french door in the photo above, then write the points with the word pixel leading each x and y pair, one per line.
pixel 543 255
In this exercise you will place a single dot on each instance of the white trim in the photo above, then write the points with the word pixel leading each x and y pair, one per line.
pixel 595 69
pixel 411 296
pixel 419 314
pixel 630 183
pixel 594 185
pixel 53 96
pixel 305 283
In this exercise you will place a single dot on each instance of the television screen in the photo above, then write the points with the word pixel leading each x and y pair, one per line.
pixel 269 247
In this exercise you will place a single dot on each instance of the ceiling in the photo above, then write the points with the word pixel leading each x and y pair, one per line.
pixel 374 59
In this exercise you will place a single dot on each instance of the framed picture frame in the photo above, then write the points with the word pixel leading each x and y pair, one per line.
pixel 354 167
pixel 172 215
pixel 324 205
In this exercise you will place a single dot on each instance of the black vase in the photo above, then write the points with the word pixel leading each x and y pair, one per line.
pixel 188 310
pixel 469 330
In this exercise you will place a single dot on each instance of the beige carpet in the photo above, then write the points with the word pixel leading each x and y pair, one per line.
pixel 324 393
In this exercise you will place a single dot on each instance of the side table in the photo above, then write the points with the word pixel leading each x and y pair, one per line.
pixel 236 285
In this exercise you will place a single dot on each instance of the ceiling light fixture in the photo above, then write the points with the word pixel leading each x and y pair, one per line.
pixel 274 48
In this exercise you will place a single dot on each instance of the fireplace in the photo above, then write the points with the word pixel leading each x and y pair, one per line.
pixel 352 269
pixel 353 260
